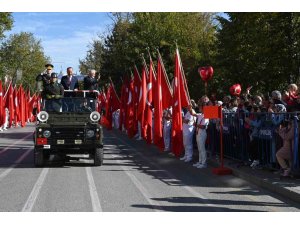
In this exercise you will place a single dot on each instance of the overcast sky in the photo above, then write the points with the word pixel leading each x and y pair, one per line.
pixel 64 36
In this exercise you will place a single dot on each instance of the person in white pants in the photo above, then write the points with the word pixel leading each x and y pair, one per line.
pixel 116 116
pixel 188 132
pixel 167 118
pixel 201 136
pixel 5 125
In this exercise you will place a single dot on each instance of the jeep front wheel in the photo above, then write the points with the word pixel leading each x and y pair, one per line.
pixel 98 157
pixel 38 158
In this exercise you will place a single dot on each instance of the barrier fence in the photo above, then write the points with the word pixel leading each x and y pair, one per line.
pixel 261 140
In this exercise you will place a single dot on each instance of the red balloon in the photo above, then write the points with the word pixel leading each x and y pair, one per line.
pixel 206 73
pixel 235 90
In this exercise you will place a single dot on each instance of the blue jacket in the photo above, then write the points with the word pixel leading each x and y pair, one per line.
pixel 69 85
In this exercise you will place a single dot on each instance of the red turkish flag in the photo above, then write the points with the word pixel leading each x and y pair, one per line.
pixel 136 94
pixel 122 106
pixel 16 105
pixel 131 131
pixel 184 94
pixel 113 103
pixel 10 103
pixel 177 140
pixel 142 102
pixel 149 104
pixel 165 84
pixel 22 106
pixel 158 109
pixel 2 109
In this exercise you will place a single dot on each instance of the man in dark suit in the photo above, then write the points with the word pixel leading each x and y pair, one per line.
pixel 90 82
pixel 70 82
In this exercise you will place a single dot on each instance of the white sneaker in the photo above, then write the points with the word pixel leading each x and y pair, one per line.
pixel 196 164
pixel 166 150
pixel 202 166
pixel 254 163
pixel 183 158
pixel 139 138
pixel 188 160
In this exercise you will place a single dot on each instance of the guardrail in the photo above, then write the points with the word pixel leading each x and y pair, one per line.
pixel 238 136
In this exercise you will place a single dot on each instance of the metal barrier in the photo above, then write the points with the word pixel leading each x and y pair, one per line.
pixel 241 139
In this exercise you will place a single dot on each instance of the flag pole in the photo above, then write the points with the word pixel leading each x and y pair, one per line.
pixel 164 71
pixel 112 84
pixel 145 65
pixel 182 72
pixel 153 69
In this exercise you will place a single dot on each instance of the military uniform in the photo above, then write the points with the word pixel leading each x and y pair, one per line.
pixel 53 93
pixel 43 79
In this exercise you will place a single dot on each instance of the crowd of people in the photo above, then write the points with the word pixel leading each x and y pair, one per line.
pixel 279 106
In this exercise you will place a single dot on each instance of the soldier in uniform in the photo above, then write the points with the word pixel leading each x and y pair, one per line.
pixel 43 79
pixel 53 94
pixel 90 82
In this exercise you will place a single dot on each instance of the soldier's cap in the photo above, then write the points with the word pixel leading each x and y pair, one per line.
pixel 49 66
pixel 53 75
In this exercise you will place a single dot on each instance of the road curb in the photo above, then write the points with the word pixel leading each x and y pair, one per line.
pixel 263 183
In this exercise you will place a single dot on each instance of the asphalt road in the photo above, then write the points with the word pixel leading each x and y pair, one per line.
pixel 135 177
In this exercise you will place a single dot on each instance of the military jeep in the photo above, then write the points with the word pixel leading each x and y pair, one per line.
pixel 68 125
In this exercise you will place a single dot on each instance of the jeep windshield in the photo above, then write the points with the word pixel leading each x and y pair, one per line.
pixel 70 105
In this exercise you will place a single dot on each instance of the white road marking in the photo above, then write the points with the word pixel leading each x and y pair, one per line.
pixel 20 159
pixel 93 191
pixel 173 177
pixel 35 191
pixel 141 187
pixel 8 147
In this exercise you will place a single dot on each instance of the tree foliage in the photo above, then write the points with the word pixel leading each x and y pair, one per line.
pixel 6 22
pixel 133 33
pixel 22 52
pixel 260 49
pixel 253 49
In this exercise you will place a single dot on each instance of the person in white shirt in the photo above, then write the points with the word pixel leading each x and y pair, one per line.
pixel 167 120
pixel 201 136
pixel 188 132
pixel 116 117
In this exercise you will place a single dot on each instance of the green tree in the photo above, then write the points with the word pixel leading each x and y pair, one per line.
pixel 133 33
pixel 260 49
pixel 94 57
pixel 22 52
pixel 6 23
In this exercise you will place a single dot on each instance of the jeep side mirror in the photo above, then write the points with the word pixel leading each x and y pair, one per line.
pixel 34 111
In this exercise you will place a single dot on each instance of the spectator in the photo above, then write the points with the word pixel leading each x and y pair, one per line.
pixel 286 132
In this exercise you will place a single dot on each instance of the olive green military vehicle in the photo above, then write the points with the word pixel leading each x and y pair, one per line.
pixel 67 126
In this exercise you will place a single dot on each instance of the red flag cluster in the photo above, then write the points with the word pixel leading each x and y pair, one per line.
pixel 143 100
pixel 16 105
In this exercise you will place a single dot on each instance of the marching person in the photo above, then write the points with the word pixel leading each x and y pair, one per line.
pixel 188 132
pixel 90 82
pixel 43 79
pixel 167 119
pixel 69 81
pixel 201 136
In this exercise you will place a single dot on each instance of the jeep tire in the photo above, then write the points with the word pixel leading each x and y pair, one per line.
pixel 98 157
pixel 38 158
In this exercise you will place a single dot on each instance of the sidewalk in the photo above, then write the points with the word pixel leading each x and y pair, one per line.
pixel 287 187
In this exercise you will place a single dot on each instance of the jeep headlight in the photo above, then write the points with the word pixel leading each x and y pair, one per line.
pixel 90 133
pixel 43 116
pixel 47 133
pixel 95 116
